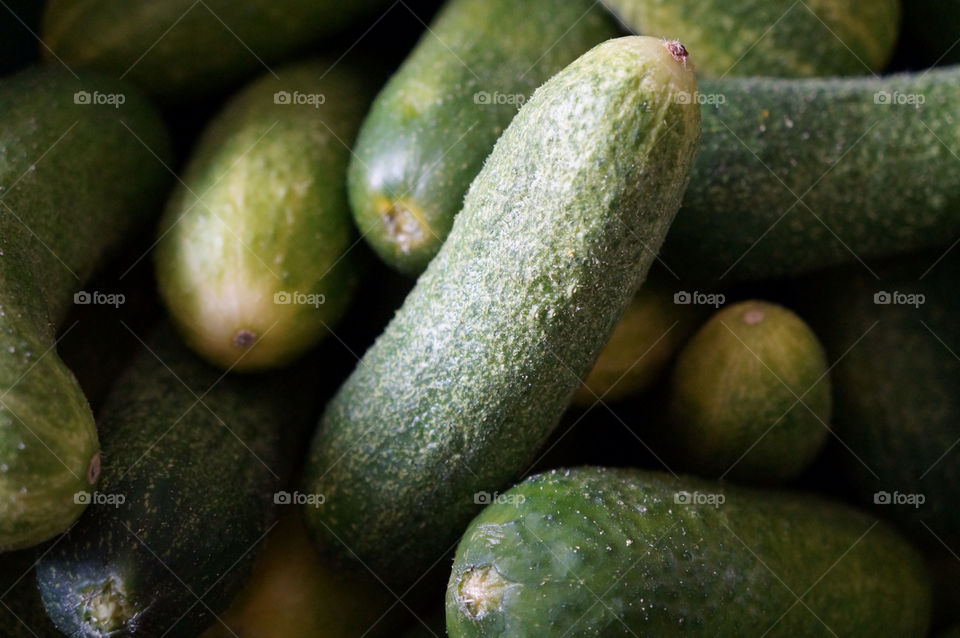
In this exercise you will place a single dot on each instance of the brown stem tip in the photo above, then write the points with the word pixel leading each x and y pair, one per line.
pixel 244 339
pixel 678 51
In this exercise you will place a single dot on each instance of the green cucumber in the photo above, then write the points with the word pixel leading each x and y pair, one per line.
pixel 21 611
pixel 254 259
pixel 897 410
pixel 648 335
pixel 99 167
pixel 190 476
pixel 932 29
pixel 749 396
pixel 177 49
pixel 292 594
pixel 595 552
pixel 781 38
pixel 439 116
pixel 476 368
pixel 873 166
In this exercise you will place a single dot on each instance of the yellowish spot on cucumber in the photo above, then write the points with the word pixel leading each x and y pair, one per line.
pixel 480 591
pixel 105 608
pixel 404 224
pixel 244 338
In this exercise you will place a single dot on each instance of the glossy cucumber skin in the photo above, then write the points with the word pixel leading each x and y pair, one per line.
pixel 749 396
pixel 262 212
pixel 472 374
pixel 197 477
pixel 177 49
pixel 440 115
pixel 876 176
pixel 774 38
pixel 76 180
pixel 537 562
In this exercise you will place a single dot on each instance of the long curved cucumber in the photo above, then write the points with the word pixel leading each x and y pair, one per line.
pixel 191 472
pixel 796 175
pixel 777 38
pixel 439 116
pixel 619 552
pixel 177 49
pixel 254 257
pixel 76 178
pixel 472 374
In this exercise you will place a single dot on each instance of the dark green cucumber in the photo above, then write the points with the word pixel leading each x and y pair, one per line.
pixel 931 30
pixel 75 179
pixel 897 409
pixel 254 257
pixel 474 371
pixel 596 552
pixel 190 471
pixel 781 38
pixel 749 396
pixel 438 118
pixel 646 338
pixel 874 169
pixel 178 49
pixel 21 611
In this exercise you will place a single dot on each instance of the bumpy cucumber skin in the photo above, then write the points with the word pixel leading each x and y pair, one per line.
pixel 749 395
pixel 263 211
pixel 427 136
pixel 878 176
pixel 596 552
pixel 197 499
pixel 75 179
pixel 21 612
pixel 897 406
pixel 775 38
pixel 177 49
pixel 469 378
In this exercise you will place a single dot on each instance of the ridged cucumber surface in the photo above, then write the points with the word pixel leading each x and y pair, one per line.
pixel 178 49
pixel 872 166
pixel 439 116
pixel 254 258
pixel 749 396
pixel 780 38
pixel 474 371
pixel 190 471
pixel 605 552
pixel 76 178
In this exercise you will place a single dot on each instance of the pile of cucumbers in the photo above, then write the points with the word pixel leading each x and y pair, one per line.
pixel 479 318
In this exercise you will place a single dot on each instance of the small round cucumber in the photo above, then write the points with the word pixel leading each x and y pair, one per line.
pixel 439 116
pixel 470 377
pixel 254 258
pixel 781 38
pixel 597 552
pixel 749 396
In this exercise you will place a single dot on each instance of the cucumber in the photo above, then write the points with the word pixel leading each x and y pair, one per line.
pixel 178 49
pixel 876 178
pixel 102 167
pixel 931 28
pixel 749 396
pixel 645 340
pixel 21 612
pixel 596 552
pixel 254 259
pixel 439 116
pixel 292 594
pixel 779 38
pixel 472 374
pixel 191 470
pixel 897 407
